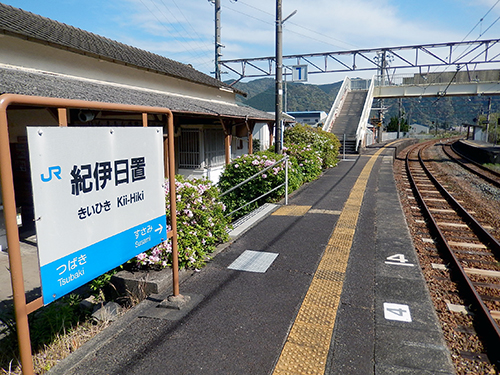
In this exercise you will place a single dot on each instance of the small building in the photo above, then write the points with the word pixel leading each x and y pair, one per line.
pixel 263 136
pixel 45 58
pixel 312 118
pixel 419 129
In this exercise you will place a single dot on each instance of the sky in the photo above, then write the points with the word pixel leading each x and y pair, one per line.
pixel 183 30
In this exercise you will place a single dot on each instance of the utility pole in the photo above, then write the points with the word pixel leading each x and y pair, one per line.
pixel 218 44
pixel 488 120
pixel 279 80
pixel 399 116
pixel 382 78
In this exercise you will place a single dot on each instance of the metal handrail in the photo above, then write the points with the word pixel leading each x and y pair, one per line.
pixel 337 104
pixel 284 159
pixel 365 116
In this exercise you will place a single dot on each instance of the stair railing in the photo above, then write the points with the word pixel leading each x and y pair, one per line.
pixel 337 104
pixel 365 116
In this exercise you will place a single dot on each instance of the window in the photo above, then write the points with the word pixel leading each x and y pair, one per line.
pixel 189 149
pixel 214 148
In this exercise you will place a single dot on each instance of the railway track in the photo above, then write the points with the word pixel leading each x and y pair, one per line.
pixel 470 253
pixel 487 174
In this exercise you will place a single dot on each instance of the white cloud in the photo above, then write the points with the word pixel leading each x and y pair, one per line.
pixel 184 29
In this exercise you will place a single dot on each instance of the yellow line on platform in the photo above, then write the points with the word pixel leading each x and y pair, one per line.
pixel 306 348
pixel 291 210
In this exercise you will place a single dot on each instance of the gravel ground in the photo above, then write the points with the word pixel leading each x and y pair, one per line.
pixel 466 348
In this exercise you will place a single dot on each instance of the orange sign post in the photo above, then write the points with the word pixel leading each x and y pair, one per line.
pixel 22 309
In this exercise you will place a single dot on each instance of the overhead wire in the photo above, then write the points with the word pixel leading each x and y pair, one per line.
pixel 481 20
pixel 467 49
pixel 300 26
pixel 178 22
pixel 195 53
pixel 198 37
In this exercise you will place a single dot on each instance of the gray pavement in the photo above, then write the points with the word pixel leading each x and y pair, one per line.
pixel 31 274
pixel 237 321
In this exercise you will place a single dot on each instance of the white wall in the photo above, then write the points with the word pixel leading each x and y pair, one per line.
pixel 261 132
pixel 22 53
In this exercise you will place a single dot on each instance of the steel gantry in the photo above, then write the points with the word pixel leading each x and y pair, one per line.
pixel 423 57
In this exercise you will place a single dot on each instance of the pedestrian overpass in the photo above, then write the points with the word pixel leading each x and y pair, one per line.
pixel 350 113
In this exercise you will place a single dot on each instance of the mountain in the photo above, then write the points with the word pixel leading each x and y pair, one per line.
pixel 448 111
pixel 297 96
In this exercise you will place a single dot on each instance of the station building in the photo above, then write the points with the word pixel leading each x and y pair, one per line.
pixel 45 58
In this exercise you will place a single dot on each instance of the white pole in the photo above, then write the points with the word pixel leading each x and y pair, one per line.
pixel 286 181
pixel 344 147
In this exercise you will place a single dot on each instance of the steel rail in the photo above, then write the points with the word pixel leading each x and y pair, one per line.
pixel 492 181
pixel 481 232
pixel 490 330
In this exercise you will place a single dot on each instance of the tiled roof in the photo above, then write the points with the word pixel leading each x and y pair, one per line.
pixel 15 21
pixel 19 81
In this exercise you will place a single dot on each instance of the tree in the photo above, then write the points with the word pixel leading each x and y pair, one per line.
pixel 393 125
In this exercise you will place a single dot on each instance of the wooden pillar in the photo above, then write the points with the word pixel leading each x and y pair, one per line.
pixel 227 140
pixel 250 125
pixel 270 125
pixel 62 116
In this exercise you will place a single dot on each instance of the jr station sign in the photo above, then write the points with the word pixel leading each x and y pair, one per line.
pixel 99 200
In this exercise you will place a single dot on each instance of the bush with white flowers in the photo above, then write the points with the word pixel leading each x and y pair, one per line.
pixel 201 225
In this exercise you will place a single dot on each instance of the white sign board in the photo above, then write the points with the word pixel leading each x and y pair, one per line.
pixel 299 73
pixel 99 200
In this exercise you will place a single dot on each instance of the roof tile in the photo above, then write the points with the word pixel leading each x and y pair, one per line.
pixel 38 28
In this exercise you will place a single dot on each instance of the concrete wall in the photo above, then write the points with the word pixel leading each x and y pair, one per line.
pixel 480 152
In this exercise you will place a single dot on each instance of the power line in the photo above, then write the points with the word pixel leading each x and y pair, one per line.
pixel 178 22
pixel 297 25
pixel 466 49
pixel 481 20
pixel 196 54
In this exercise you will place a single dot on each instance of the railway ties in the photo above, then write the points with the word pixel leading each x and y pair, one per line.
pixel 468 251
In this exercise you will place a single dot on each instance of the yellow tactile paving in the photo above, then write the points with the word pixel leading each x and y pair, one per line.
pixel 291 210
pixel 307 345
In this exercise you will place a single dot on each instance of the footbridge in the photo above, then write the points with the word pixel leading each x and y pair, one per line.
pixel 438 69
pixel 350 113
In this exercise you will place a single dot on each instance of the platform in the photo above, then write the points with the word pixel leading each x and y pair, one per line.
pixel 327 285
pixel 479 151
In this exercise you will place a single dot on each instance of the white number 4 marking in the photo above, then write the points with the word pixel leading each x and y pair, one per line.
pixel 398 260
pixel 394 311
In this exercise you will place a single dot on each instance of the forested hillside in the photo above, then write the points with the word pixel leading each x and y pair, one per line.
pixel 445 111
pixel 298 96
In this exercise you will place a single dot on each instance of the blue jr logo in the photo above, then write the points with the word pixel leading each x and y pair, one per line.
pixel 56 171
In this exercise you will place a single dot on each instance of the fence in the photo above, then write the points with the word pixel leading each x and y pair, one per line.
pixel 285 159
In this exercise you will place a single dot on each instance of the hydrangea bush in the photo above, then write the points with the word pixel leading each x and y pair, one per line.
pixel 246 166
pixel 310 150
pixel 201 225
pixel 309 160
pixel 327 144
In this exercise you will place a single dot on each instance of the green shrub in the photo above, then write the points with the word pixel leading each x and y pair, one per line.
pixel 315 138
pixel 201 225
pixel 309 160
pixel 246 166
